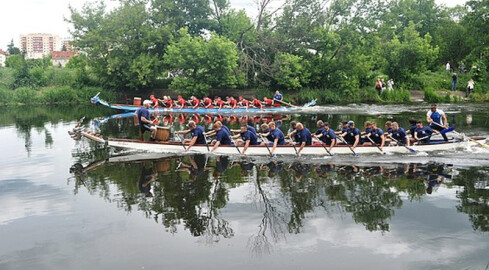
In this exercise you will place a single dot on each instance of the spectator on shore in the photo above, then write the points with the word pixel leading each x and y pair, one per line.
pixel 390 84
pixel 470 87
pixel 447 67
pixel 454 81
pixel 378 86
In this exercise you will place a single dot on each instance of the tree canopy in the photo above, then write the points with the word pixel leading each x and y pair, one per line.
pixel 343 45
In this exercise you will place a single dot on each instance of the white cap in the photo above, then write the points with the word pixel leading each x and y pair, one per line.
pixel 147 102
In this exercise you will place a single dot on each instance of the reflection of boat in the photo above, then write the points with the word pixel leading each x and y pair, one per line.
pixel 177 148
pixel 133 108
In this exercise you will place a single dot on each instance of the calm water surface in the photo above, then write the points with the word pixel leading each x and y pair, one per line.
pixel 69 204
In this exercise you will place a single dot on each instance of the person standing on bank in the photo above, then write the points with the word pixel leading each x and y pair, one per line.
pixel 454 81
pixel 145 122
pixel 470 87
pixel 437 119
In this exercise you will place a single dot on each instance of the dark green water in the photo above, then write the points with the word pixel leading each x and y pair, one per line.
pixel 69 204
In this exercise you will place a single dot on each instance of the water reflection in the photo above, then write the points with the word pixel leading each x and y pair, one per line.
pixel 193 191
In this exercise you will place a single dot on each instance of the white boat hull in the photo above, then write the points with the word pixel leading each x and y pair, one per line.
pixel 314 150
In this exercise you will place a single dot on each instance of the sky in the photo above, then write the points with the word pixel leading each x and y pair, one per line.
pixel 47 16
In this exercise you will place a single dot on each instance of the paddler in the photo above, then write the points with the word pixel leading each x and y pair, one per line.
pixel 351 134
pixel 320 126
pixel 399 134
pixel 412 128
pixel 438 120
pixel 145 122
pixel 222 136
pixel 207 102
pixel 233 103
pixel 155 101
pixel 343 128
pixel 243 102
pixel 292 133
pixel 196 132
pixel 181 102
pixel 275 136
pixel 388 127
pixel 194 102
pixel 168 102
pixel 268 102
pixel 422 134
pixel 256 103
pixel 303 137
pixel 219 103
pixel 246 138
pixel 327 136
pixel 377 136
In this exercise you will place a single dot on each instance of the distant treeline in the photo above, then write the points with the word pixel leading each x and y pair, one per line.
pixel 334 50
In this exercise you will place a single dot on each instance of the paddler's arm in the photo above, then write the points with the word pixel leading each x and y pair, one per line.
pixel 333 142
pixel 275 142
pixel 183 131
pixel 301 147
pixel 444 121
pixel 357 139
pixel 235 136
pixel 246 146
pixel 382 143
pixel 191 143
pixel 215 146
pixel 146 120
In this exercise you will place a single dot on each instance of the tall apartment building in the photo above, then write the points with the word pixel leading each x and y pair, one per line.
pixel 3 58
pixel 66 43
pixel 37 46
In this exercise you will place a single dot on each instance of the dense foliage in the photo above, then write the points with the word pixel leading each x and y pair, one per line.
pixel 335 50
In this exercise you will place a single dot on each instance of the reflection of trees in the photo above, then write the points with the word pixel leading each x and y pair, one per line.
pixel 474 197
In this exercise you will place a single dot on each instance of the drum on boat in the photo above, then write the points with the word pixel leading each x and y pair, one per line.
pixel 136 101
pixel 162 134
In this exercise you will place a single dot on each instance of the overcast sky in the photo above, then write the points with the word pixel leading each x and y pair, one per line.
pixel 46 16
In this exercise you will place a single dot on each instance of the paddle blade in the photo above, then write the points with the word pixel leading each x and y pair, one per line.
pixel 355 154
pixel 412 150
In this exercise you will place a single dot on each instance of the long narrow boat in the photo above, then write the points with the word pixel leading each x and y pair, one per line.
pixel 133 108
pixel 314 150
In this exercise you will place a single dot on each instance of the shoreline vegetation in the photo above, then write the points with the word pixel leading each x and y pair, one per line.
pixel 306 50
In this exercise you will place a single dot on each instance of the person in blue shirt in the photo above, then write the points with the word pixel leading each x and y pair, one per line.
pixel 422 134
pixel 388 127
pixel 343 128
pixel 399 134
pixel 368 128
pixel 145 122
pixel 222 136
pixel 304 137
pixel 196 132
pixel 244 121
pixel 377 135
pixel 320 126
pixel 292 133
pixel 351 135
pixel 438 120
pixel 246 138
pixel 277 96
pixel 277 137
pixel 412 128
pixel 328 136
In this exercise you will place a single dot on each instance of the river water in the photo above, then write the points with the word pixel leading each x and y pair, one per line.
pixel 69 204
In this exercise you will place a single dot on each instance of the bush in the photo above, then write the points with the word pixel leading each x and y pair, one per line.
pixel 55 95
pixel 396 96
pixel 25 95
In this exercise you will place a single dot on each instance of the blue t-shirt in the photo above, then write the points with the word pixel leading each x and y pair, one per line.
pixel 328 136
pixel 400 135
pixel 350 135
pixel 377 135
pixel 226 129
pixel 319 131
pixel 304 135
pixel 368 130
pixel 143 112
pixel 412 129
pixel 436 117
pixel 199 132
pixel 279 97
pixel 269 136
pixel 252 129
pixel 424 132
pixel 277 134
pixel 223 136
pixel 389 130
pixel 249 136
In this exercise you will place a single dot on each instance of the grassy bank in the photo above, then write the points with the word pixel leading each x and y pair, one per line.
pixel 48 86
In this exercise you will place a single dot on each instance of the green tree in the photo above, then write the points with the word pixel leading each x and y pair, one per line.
pixel 290 71
pixel 409 55
pixel 202 64
pixel 11 49
pixel 193 14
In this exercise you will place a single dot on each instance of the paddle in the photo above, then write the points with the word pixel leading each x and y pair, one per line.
pixel 239 151
pixel 181 140
pixel 370 139
pixel 206 144
pixel 286 103
pixel 343 140
pixel 293 144
pixel 266 144
pixel 470 139
pixel 398 142
pixel 323 144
